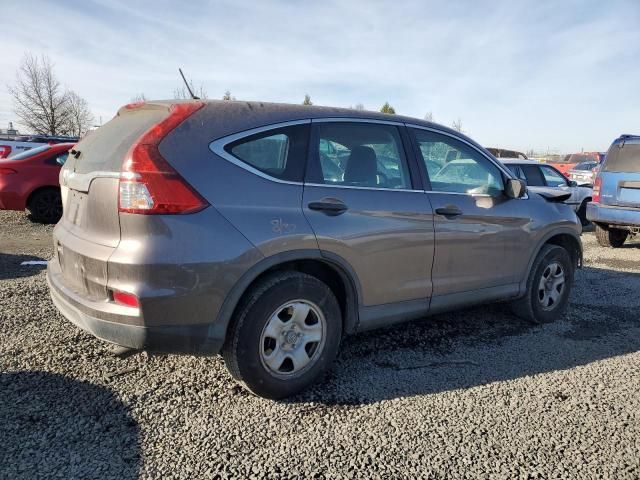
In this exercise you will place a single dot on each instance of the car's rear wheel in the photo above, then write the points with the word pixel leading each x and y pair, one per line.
pixel 610 237
pixel 548 286
pixel 284 335
pixel 45 206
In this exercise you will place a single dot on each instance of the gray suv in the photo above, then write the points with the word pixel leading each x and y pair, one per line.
pixel 267 232
pixel 615 208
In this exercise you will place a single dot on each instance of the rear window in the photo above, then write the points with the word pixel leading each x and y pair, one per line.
pixel 280 153
pixel 29 153
pixel 625 159
pixel 585 166
pixel 105 149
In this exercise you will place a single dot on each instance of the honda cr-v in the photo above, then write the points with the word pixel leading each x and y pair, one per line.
pixel 267 232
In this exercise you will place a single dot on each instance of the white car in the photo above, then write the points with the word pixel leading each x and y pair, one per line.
pixel 13 147
pixel 541 177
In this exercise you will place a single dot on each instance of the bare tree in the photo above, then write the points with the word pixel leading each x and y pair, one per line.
pixel 39 100
pixel 457 125
pixel 359 106
pixel 227 96
pixel 428 117
pixel 79 116
pixel 139 97
pixel 182 92
pixel 307 100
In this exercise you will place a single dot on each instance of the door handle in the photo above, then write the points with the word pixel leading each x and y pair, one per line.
pixel 329 206
pixel 449 211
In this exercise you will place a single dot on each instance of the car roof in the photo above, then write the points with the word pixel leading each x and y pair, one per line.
pixel 226 117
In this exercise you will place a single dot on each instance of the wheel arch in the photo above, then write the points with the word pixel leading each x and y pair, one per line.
pixel 566 238
pixel 331 269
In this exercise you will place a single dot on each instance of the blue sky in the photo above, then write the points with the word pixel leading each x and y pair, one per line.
pixel 525 74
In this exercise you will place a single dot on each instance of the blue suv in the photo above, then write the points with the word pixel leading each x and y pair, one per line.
pixel 615 208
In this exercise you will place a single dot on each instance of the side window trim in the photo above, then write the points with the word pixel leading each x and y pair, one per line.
pixel 405 144
pixel 218 147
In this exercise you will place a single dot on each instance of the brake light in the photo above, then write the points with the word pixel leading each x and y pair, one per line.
pixel 134 105
pixel 595 194
pixel 124 298
pixel 148 184
pixel 5 151
pixel 7 171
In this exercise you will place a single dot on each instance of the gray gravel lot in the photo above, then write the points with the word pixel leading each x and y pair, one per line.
pixel 475 393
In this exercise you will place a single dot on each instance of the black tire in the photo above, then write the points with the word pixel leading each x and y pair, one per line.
pixel 530 307
pixel 244 349
pixel 45 206
pixel 582 213
pixel 610 237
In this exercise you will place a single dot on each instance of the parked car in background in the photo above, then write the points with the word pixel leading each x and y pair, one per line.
pixel 267 232
pixel 540 177
pixel 504 153
pixel 584 173
pixel 615 209
pixel 30 180
pixel 573 159
pixel 13 145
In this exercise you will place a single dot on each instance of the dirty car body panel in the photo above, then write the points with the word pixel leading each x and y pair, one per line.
pixel 396 256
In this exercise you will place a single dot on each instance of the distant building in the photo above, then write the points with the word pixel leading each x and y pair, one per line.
pixel 9 132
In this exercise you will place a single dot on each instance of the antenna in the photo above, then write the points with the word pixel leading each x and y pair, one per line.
pixel 187 85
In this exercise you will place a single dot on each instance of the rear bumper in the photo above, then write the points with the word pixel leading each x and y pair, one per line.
pixel 197 339
pixel 613 215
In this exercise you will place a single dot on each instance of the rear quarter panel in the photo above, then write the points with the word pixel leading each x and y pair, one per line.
pixel 268 213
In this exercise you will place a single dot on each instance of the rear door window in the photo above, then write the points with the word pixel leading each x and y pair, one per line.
pixel 279 153
pixel 533 175
pixel 625 159
pixel 359 155
pixel 517 171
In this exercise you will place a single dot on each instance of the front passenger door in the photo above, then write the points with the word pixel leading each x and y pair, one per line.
pixel 481 234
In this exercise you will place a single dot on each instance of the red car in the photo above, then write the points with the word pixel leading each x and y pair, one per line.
pixel 30 180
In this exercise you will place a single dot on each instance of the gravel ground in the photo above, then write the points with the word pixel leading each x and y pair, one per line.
pixel 475 393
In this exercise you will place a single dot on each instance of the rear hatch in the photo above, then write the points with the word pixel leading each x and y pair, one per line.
pixel 89 230
pixel 620 174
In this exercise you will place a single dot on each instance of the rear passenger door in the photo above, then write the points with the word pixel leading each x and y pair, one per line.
pixel 481 234
pixel 366 206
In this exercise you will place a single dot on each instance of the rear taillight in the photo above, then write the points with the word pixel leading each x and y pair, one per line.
pixel 595 194
pixel 7 171
pixel 148 184
pixel 5 151
pixel 124 298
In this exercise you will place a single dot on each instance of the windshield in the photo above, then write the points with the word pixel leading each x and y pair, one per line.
pixel 29 153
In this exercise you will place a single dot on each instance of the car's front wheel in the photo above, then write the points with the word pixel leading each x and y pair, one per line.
pixel 548 286
pixel 284 335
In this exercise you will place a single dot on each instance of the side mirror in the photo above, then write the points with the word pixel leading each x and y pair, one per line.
pixel 515 188
pixel 573 183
